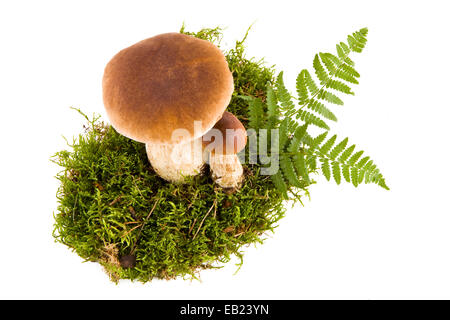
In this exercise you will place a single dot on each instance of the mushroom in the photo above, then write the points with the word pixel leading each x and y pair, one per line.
pixel 230 138
pixel 167 92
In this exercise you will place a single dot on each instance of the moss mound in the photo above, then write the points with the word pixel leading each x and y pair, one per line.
pixel 114 210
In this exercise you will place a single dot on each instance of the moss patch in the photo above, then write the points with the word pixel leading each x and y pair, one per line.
pixel 112 205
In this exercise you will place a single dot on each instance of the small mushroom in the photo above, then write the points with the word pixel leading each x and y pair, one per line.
pixel 228 137
pixel 167 92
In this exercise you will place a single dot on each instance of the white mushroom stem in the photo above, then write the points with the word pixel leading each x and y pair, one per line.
pixel 175 162
pixel 226 170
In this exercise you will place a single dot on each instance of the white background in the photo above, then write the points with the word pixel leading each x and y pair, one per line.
pixel 363 243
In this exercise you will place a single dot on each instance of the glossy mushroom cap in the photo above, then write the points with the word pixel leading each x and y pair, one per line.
pixel 232 137
pixel 166 83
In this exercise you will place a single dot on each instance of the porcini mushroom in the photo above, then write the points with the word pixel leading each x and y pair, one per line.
pixel 167 92
pixel 228 137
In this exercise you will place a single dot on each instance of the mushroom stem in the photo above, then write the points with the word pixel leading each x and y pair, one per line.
pixel 175 162
pixel 226 170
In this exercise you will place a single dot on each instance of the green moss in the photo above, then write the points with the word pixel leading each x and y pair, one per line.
pixel 112 204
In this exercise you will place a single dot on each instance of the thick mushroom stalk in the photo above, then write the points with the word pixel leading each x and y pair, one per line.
pixel 226 170
pixel 228 137
pixel 175 162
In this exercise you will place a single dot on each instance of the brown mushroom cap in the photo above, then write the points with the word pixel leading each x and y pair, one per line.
pixel 166 83
pixel 233 140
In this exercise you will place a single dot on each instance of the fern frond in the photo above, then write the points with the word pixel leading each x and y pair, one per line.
pixel 338 148
pixel 342 74
pixel 350 165
pixel 308 140
pixel 310 83
pixel 329 64
pixel 347 153
pixel 280 184
pixel 346 172
pixel 273 112
pixel 256 114
pixel 283 133
pixel 355 157
pixel 311 162
pixel 288 171
pixel 354 176
pixel 299 152
pixel 325 148
pixel 326 168
pixel 297 139
pixel 343 51
pixel 301 166
pixel 283 95
pixel 302 90
pixel 339 86
pixel 362 162
pixel 308 117
pixel 336 172
pixel 321 109
pixel 318 140
pixel 322 75
pixel 357 40
pixel 330 97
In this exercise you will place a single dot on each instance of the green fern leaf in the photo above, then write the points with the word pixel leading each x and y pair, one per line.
pixel 302 89
pixel 310 83
pixel 342 74
pixel 301 166
pixel 368 168
pixel 330 97
pixel 345 49
pixel 308 117
pixel 328 145
pixel 362 162
pixel 360 176
pixel 339 86
pixel 292 125
pixel 382 183
pixel 256 113
pixel 336 172
pixel 350 70
pixel 283 133
pixel 328 63
pixel 357 41
pixel 320 71
pixel 311 162
pixel 355 157
pixel 297 139
pixel 354 176
pixel 347 153
pixel 273 112
pixel 326 169
pixel 279 183
pixel 308 140
pixel 340 51
pixel 335 73
pixel 338 149
pixel 318 140
pixel 320 108
pixel 346 172
pixel 283 95
pixel 353 44
pixel 289 172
